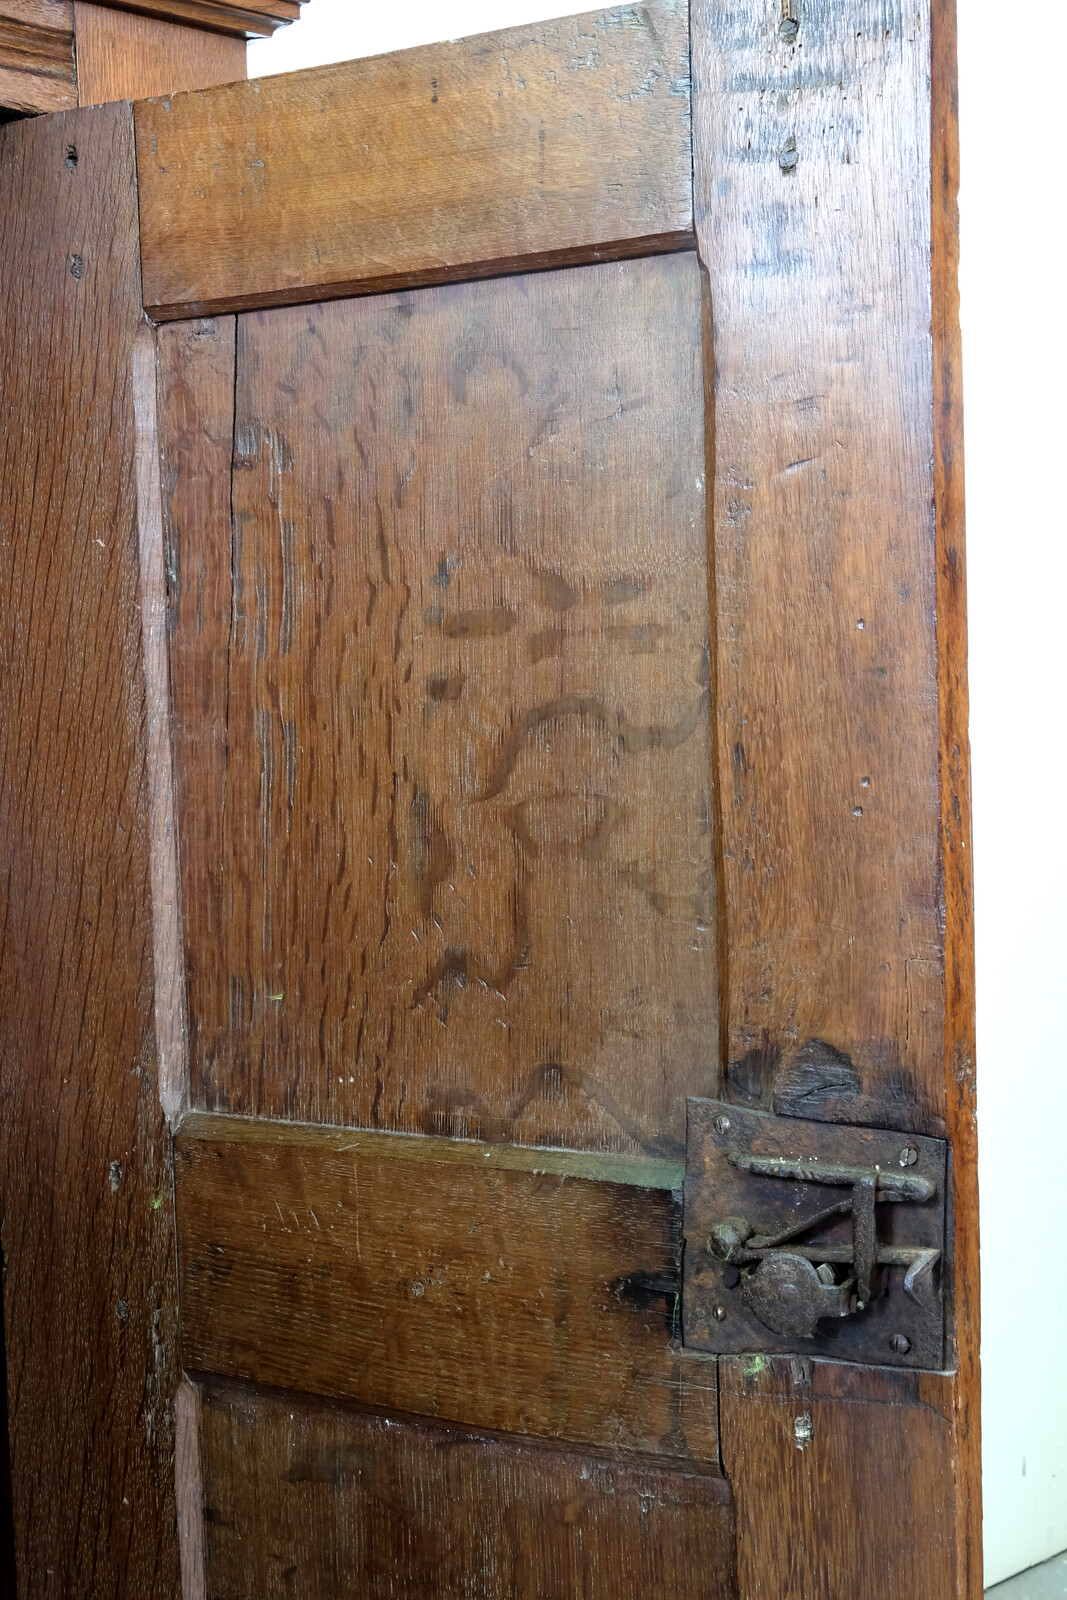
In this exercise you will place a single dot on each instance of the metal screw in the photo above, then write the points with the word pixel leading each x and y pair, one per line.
pixel 909 1156
pixel 787 155
pixel 722 1124
pixel 719 1313
pixel 900 1344
pixel 789 26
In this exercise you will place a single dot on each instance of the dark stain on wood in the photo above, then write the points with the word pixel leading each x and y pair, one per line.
pixel 815 1083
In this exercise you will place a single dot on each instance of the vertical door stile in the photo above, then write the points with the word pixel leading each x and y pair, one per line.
pixel 824 213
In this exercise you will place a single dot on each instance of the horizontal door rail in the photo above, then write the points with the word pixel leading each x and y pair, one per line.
pixel 516 1290
pixel 549 145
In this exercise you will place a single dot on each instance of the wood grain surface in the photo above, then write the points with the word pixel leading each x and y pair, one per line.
pixel 442 711
pixel 843 1479
pixel 89 1283
pixel 123 56
pixel 826 578
pixel 314 1500
pixel 825 210
pixel 561 141
pixel 37 55
pixel 533 1292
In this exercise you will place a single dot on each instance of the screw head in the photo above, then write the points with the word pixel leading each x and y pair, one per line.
pixel 719 1313
pixel 788 29
pixel 722 1124
pixel 908 1156
pixel 900 1344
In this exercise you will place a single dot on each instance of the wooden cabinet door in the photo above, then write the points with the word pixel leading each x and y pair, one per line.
pixel 482 668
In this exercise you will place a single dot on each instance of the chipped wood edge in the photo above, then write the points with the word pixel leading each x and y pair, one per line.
pixel 166 885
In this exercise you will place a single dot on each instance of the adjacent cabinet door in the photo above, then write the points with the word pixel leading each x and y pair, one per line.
pixel 483 799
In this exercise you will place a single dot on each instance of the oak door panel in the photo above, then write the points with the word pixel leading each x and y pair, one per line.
pixel 441 685
pixel 555 142
pixel 825 573
pixel 498 1287
pixel 309 1499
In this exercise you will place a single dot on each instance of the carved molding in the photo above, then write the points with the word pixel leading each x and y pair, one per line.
pixel 37 41
pixel 221 16
pixel 37 55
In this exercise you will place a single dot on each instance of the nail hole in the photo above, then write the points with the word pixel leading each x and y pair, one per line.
pixel 77 268
pixel 70 157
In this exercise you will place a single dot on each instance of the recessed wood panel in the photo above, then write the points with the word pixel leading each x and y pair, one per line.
pixel 527 1291
pixel 825 169
pixel 313 1500
pixel 558 141
pixel 442 709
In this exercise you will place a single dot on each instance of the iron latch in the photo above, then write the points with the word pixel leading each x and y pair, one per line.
pixel 773 1263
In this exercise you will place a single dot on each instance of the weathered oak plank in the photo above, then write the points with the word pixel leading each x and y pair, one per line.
pixel 813 213
pixel 825 211
pixel 315 1500
pixel 843 1479
pixel 90 1292
pixel 558 142
pixel 526 1291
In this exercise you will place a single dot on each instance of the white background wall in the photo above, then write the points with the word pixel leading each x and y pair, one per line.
pixel 1014 287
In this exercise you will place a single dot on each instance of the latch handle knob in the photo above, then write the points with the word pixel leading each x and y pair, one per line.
pixel 788 1296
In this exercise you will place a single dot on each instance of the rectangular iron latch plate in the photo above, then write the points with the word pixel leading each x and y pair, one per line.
pixel 812 1238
